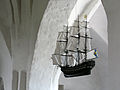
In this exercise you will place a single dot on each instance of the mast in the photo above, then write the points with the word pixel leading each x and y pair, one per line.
pixel 66 51
pixel 85 37
pixel 78 52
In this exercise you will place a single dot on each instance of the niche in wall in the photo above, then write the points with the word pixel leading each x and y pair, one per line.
pixel 15 80
pixel 1 84
pixel 23 80
pixel 61 87
pixel 19 80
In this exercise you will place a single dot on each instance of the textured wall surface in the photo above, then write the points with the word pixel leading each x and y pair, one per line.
pixel 43 73
pixel 5 64
pixel 112 8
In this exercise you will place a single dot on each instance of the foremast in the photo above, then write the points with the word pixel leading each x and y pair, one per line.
pixel 86 37
pixel 66 51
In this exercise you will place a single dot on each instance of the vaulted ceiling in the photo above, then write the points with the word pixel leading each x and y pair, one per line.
pixel 19 23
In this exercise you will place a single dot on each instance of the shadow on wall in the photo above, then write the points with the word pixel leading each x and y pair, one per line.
pixel 101 68
pixel 1 84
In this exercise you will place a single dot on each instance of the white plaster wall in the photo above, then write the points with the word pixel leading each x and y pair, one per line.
pixel 43 73
pixel 99 23
pixel 5 64
pixel 83 7
pixel 112 8
pixel 98 79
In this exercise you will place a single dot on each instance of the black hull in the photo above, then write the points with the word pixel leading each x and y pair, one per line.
pixel 79 70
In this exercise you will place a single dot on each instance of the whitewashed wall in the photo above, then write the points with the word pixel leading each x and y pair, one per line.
pixel 112 8
pixel 43 73
pixel 41 66
pixel 5 64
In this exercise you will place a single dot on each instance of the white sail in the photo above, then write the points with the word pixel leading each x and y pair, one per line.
pixel 56 59
pixel 61 36
pixel 75 57
pixel 73 30
pixel 82 39
pixel 71 61
pixel 60 47
pixel 61 60
pixel 61 43
pixel 73 40
pixel 72 43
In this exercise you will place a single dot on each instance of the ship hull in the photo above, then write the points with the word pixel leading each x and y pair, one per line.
pixel 79 70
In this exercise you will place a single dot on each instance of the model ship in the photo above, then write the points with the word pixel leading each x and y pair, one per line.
pixel 73 53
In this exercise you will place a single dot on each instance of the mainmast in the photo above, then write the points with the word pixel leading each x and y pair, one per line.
pixel 85 37
pixel 78 52
pixel 66 51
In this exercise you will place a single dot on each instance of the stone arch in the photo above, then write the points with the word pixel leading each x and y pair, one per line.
pixel 43 73
pixel 44 76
